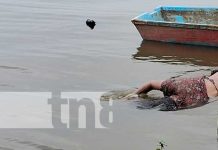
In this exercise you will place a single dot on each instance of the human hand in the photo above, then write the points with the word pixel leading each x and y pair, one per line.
pixel 131 96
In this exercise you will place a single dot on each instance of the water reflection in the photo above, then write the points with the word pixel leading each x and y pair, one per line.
pixel 177 53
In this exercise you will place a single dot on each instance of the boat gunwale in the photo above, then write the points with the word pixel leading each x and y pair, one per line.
pixel 137 21
pixel 183 8
pixel 176 25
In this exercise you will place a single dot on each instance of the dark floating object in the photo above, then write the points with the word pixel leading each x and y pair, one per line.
pixel 90 23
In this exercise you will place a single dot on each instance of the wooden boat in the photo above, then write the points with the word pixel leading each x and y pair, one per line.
pixel 186 25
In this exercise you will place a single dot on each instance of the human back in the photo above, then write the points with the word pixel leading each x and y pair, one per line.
pixel 212 84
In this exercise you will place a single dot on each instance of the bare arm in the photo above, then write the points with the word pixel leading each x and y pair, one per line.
pixel 152 85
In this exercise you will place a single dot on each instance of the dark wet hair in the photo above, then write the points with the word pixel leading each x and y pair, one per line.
pixel 168 104
pixel 214 71
pixel 162 104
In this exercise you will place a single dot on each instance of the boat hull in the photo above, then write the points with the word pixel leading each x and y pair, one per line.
pixel 178 35
pixel 198 26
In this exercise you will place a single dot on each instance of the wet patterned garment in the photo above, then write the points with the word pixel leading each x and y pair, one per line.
pixel 186 92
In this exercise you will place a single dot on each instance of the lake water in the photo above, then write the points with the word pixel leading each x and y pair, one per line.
pixel 46 46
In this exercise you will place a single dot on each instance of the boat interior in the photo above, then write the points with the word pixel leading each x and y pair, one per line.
pixel 183 15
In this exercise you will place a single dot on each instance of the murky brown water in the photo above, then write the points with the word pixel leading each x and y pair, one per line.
pixel 45 46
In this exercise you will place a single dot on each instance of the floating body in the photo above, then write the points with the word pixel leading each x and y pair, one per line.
pixel 198 26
